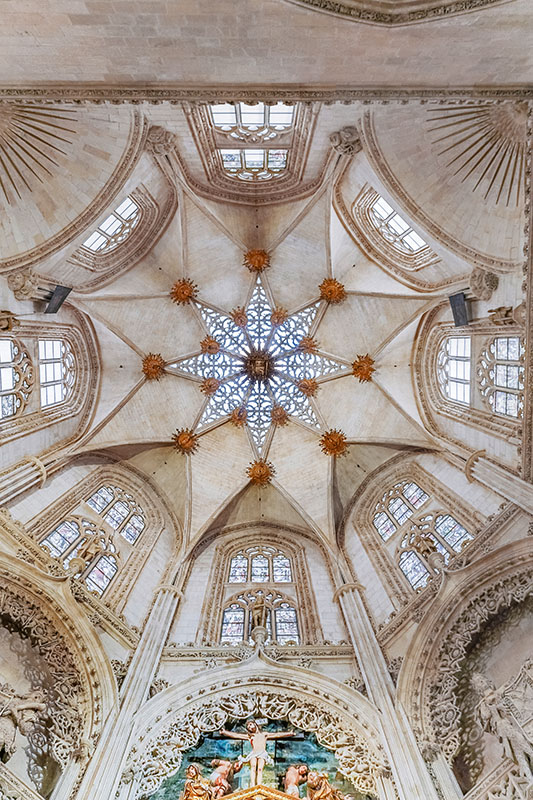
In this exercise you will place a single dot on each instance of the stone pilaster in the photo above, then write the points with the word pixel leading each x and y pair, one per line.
pixel 500 480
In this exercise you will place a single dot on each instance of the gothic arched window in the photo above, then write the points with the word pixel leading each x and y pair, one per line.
pixel 16 378
pixel 500 373
pixel 115 229
pixel 281 618
pixel 260 565
pixel 57 371
pixel 454 368
pixel 92 541
pixel 394 228
pixel 413 525
pixel 85 550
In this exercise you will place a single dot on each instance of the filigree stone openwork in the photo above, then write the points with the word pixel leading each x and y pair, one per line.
pixel 162 755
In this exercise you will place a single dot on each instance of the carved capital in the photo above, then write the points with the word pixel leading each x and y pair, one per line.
pixel 347 587
pixel 471 460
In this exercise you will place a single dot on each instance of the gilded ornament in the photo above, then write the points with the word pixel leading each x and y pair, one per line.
pixel 308 386
pixel 333 443
pixel 363 367
pixel 279 316
pixel 332 291
pixel 209 386
pixel 308 344
pixel 185 441
pixel 238 416
pixel 260 472
pixel 153 366
pixel 210 345
pixel 279 416
pixel 183 291
pixel 239 317
pixel 256 260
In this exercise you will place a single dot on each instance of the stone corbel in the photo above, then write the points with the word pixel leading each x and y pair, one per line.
pixel 471 460
pixel 347 587
pixel 346 141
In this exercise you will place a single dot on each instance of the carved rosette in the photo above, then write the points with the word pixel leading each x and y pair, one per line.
pixel 308 386
pixel 278 316
pixel 363 368
pixel 332 291
pixel 210 345
pixel 260 472
pixel 308 344
pixel 333 443
pixel 239 317
pixel 184 291
pixel 256 260
pixel 153 366
pixel 279 416
pixel 238 416
pixel 185 441
pixel 209 386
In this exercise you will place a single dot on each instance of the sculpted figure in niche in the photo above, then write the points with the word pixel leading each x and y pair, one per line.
pixel 196 787
pixel 222 776
pixel 17 711
pixel 319 787
pixel 495 718
pixel 295 775
pixel 259 613
pixel 258 757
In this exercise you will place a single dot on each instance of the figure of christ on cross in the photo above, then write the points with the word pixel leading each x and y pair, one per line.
pixel 258 740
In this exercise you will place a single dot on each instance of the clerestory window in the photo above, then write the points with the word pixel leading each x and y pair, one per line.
pixel 115 229
pixel 394 228
pixel 281 618
pixel 16 378
pixel 454 368
pixel 247 122
pixel 260 565
pixel 500 374
pixel 251 164
pixel 397 506
pixel 57 371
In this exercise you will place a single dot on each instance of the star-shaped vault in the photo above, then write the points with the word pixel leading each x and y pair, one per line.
pixel 260 360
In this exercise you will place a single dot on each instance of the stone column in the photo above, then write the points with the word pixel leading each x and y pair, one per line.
pixel 500 480
pixel 103 774
pixel 20 477
pixel 409 769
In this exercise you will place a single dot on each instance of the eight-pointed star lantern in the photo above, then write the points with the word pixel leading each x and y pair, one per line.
pixel 258 365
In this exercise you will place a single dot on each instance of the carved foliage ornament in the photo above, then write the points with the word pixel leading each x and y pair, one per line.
pixel 260 472
pixel 332 291
pixel 185 441
pixel 163 755
pixel 363 368
pixel 183 291
pixel 333 443
pixel 256 260
pixel 153 366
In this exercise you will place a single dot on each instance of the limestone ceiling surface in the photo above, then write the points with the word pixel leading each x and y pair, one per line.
pixel 136 312
pixel 137 42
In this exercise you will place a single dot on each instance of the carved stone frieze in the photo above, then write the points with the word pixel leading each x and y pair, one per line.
pixel 400 12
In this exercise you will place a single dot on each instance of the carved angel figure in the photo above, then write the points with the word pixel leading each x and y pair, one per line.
pixel 17 711
pixel 319 787
pixel 495 718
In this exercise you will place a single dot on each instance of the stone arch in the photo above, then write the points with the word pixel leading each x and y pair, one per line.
pixel 80 688
pixel 173 721
pixel 467 601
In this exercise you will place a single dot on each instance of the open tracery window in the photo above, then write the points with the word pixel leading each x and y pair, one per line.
pixel 57 371
pixel 260 565
pixel 281 618
pixel 432 534
pixel 252 123
pixel 115 228
pixel 251 164
pixel 85 550
pixel 454 368
pixel 16 378
pixel 394 228
pixel 120 510
pixel 500 374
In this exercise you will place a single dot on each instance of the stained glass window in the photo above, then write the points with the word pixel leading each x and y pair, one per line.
pixel 397 506
pixel 394 228
pixel 413 569
pixel 282 569
pixel 16 378
pixel 122 512
pixel 100 576
pixel 260 569
pixel 450 530
pixel 232 625
pixel 286 624
pixel 500 374
pixel 453 368
pixel 62 537
pixel 115 228
pixel 259 366
pixel 57 371
pixel 238 572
